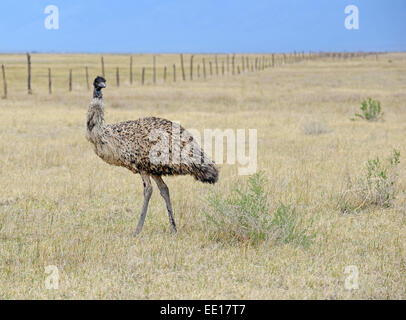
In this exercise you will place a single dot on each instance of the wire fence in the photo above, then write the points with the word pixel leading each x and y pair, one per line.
pixel 74 72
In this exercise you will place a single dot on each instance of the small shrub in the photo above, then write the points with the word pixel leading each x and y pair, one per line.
pixel 288 227
pixel 246 216
pixel 314 128
pixel 376 188
pixel 371 110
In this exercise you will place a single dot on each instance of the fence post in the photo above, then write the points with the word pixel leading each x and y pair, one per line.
pixel 87 78
pixel 233 64
pixel 217 66
pixel 4 81
pixel 118 76
pixel 154 70
pixel 182 67
pixel 102 65
pixel 165 74
pixel 222 68
pixel 198 70
pixel 191 67
pixel 243 63
pixel 131 69
pixel 228 64
pixel 143 75
pixel 273 60
pixel 204 69
pixel 70 80
pixel 211 69
pixel 174 73
pixel 49 81
pixel 29 73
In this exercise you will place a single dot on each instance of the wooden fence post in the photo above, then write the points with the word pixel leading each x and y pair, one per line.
pixel 70 80
pixel 154 70
pixel 228 64
pixel 4 82
pixel 217 66
pixel 191 67
pixel 29 73
pixel 165 74
pixel 243 63
pixel 49 81
pixel 273 60
pixel 131 69
pixel 233 64
pixel 222 68
pixel 204 69
pixel 102 65
pixel 198 70
pixel 118 76
pixel 182 67
pixel 143 75
pixel 87 78
pixel 174 73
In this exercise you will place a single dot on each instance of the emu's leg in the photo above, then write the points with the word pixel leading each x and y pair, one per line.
pixel 163 188
pixel 147 195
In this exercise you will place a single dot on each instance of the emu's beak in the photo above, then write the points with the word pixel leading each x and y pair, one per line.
pixel 102 85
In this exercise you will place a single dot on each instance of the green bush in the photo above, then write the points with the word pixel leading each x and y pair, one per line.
pixel 245 216
pixel 376 188
pixel 370 110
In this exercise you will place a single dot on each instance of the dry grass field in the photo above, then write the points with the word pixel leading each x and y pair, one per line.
pixel 61 205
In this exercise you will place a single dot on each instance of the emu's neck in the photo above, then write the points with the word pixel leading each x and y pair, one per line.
pixel 95 119
pixel 97 93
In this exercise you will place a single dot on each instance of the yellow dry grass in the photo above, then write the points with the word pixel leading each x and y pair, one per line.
pixel 61 205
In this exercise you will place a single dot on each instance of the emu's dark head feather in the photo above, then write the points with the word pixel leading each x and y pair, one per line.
pixel 99 82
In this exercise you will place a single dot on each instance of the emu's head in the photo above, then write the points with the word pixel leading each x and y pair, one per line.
pixel 99 83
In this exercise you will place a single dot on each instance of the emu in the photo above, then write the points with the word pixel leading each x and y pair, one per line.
pixel 132 145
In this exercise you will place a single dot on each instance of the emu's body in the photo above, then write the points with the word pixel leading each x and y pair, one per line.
pixel 131 144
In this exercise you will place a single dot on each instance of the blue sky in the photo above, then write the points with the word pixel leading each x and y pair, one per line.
pixel 202 26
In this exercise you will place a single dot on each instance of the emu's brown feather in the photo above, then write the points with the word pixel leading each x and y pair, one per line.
pixel 128 144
